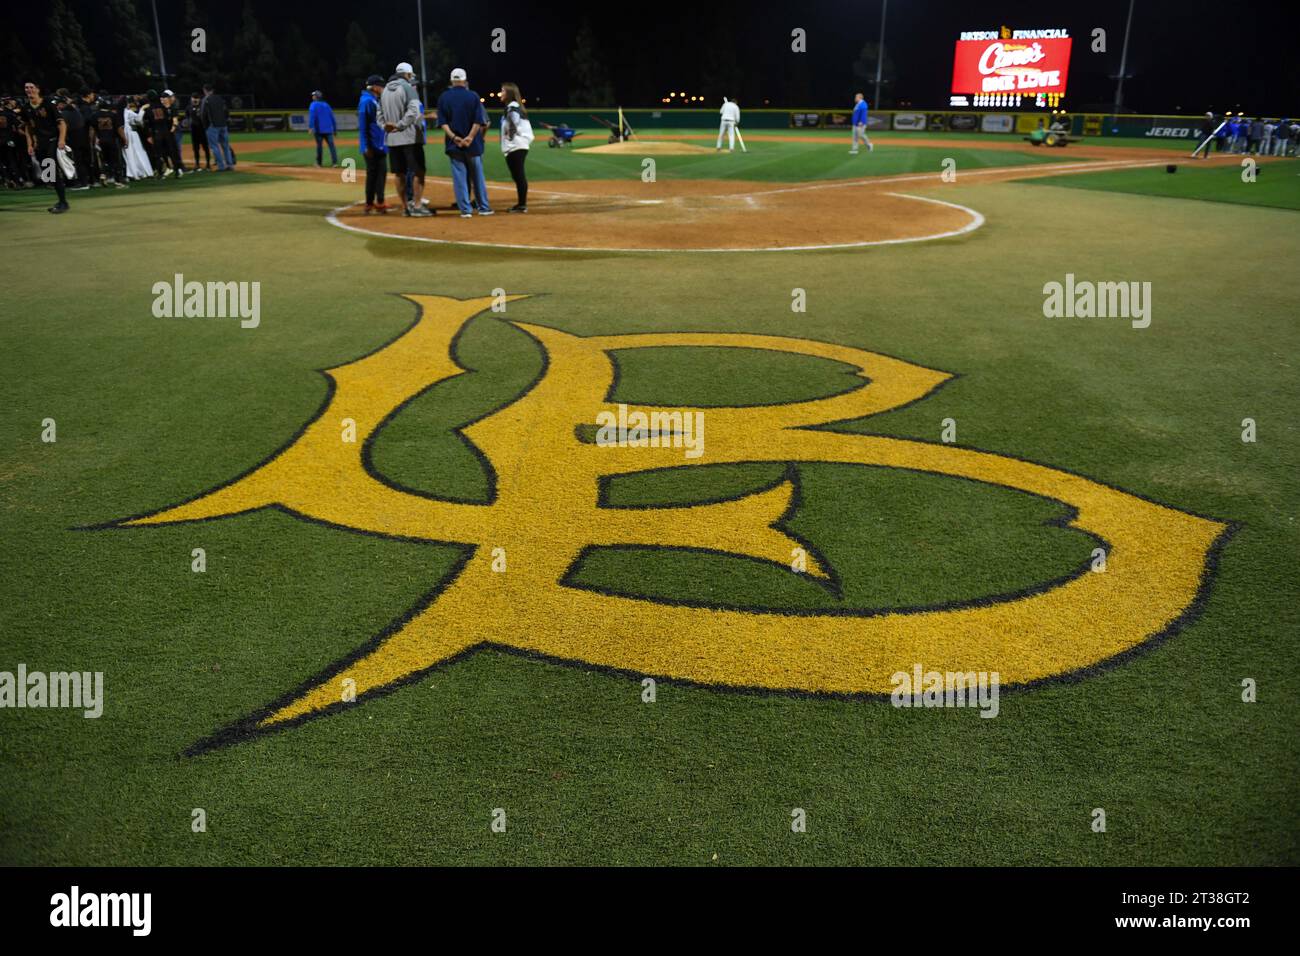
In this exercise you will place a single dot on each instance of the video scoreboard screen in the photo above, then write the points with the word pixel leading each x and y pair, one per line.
pixel 1011 68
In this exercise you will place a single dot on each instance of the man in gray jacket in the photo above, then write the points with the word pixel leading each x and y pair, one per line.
pixel 400 115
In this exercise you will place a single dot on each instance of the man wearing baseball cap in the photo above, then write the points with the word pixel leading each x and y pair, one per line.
pixel 463 119
pixel 371 142
pixel 400 115
pixel 320 118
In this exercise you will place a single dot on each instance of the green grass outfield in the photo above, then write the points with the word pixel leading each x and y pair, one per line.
pixel 1276 182
pixel 153 411
pixel 766 161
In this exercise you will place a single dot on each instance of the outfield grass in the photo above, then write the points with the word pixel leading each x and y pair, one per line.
pixel 154 411
pixel 1276 183
pixel 765 162
pixel 599 134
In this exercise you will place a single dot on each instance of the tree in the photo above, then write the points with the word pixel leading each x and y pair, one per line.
pixel 254 55
pixel 864 70
pixel 196 68
pixel 358 60
pixel 68 48
pixel 303 62
pixel 125 48
pixel 16 68
pixel 440 59
pixel 589 83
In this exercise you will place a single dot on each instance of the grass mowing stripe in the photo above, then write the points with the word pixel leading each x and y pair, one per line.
pixel 1276 183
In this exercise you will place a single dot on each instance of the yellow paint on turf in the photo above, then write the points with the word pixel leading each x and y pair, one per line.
pixel 547 511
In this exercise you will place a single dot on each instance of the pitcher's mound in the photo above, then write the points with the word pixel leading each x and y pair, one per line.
pixel 648 147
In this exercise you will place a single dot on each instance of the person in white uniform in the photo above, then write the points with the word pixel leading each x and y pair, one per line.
pixel 137 158
pixel 730 120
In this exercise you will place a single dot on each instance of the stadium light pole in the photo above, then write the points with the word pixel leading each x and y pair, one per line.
pixel 880 53
pixel 1123 59
pixel 162 64
pixel 424 69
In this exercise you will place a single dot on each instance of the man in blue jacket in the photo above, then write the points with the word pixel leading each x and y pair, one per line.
pixel 859 122
pixel 321 120
pixel 371 136
pixel 463 119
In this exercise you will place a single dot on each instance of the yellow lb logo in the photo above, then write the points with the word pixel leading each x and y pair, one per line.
pixel 547 510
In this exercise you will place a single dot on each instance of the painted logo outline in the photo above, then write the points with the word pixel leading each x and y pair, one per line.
pixel 802 652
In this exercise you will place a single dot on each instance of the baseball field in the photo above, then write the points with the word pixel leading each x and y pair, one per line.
pixel 367 583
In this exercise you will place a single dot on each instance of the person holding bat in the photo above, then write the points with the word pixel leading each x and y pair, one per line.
pixel 728 127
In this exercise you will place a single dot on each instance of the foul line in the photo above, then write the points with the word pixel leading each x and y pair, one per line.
pixel 976 220
pixel 1030 170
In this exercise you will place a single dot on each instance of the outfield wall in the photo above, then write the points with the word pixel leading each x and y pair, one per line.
pixel 1164 126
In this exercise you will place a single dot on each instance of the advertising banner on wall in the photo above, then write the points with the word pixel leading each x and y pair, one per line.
pixel 997 123
pixel 909 121
pixel 342 121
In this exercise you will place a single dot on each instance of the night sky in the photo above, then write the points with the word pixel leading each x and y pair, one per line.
pixel 1184 56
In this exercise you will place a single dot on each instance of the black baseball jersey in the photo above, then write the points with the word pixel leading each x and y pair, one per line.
pixel 106 122
pixel 43 120
pixel 72 116
pixel 158 118
pixel 11 127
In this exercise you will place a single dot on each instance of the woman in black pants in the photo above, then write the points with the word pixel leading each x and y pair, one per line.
pixel 516 137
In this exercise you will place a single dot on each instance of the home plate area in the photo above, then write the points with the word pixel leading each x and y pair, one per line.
pixel 689 215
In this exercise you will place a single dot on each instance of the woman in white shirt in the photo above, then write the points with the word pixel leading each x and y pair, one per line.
pixel 516 137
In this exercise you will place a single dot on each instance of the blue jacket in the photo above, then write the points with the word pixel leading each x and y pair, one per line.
pixel 371 134
pixel 320 117
pixel 459 108
pixel 860 114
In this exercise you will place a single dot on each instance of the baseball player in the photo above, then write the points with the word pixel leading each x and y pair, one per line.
pixel 730 120
pixel 860 123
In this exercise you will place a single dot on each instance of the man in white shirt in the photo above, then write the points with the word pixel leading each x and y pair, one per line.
pixel 730 120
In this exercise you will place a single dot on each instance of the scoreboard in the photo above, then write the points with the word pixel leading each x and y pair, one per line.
pixel 1011 68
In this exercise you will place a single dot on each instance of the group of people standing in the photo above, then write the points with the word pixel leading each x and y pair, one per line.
pixel 1258 136
pixel 74 143
pixel 393 130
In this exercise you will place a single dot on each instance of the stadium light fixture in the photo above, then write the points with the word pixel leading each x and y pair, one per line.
pixel 880 53
pixel 424 67
pixel 1123 59
pixel 162 64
